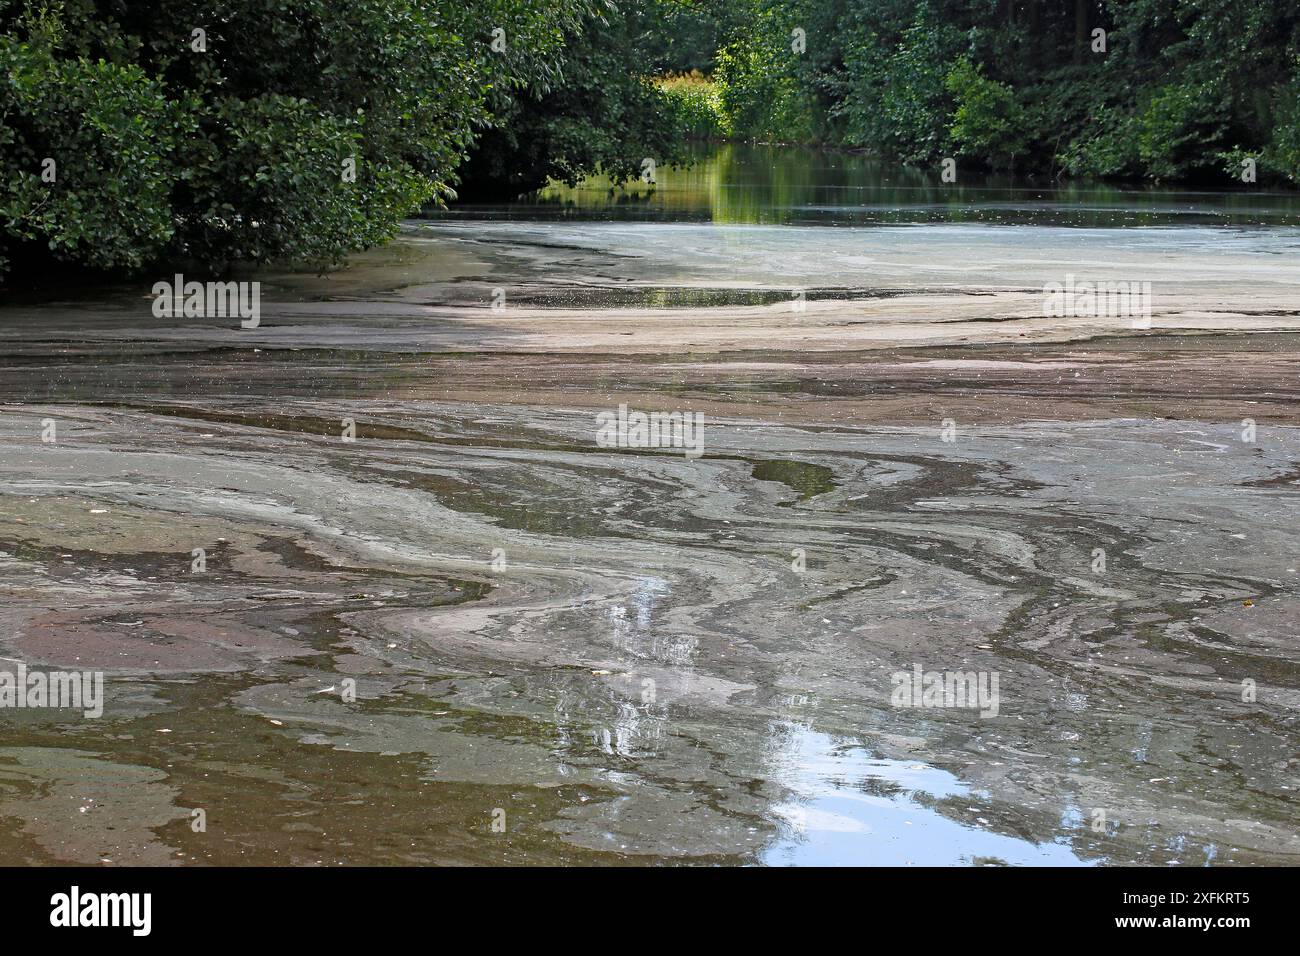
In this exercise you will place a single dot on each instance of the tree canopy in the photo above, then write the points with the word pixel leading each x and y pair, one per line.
pixel 249 130
pixel 1156 89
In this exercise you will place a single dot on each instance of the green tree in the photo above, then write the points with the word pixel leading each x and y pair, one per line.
pixel 601 112
pixel 229 130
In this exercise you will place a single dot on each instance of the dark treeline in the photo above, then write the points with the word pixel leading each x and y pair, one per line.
pixel 299 130
pixel 1155 89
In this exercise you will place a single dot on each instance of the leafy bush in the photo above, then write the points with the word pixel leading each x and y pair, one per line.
pixel 278 188
pixel 1181 131
pixel 694 106
pixel 601 113
pixel 1108 149
pixel 1282 154
pixel 759 102
pixel 87 165
pixel 915 105
pixel 988 123
pixel 228 143
pixel 765 92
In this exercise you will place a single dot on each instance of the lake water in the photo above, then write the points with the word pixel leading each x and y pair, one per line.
pixel 565 652
pixel 787 185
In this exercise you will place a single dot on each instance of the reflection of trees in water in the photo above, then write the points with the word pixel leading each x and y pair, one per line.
pixel 771 184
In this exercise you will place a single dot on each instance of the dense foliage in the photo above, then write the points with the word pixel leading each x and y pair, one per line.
pixel 603 113
pixel 1160 89
pixel 282 129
